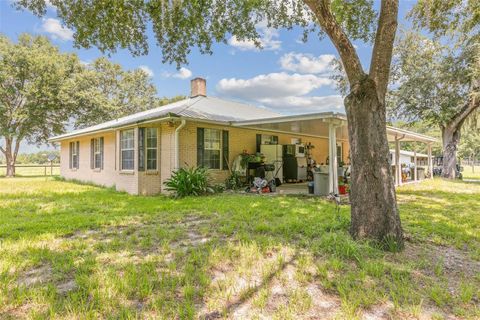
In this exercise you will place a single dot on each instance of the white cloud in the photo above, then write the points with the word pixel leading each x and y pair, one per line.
pixel 307 63
pixel 147 70
pixel 183 73
pixel 56 30
pixel 272 85
pixel 283 92
pixel 268 40
pixel 305 104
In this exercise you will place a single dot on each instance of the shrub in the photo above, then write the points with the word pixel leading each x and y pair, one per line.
pixel 189 182
pixel 233 182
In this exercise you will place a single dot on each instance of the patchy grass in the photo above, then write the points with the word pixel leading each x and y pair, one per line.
pixel 77 251
pixel 471 173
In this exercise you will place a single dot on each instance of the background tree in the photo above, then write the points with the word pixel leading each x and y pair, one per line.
pixel 180 25
pixel 104 91
pixel 437 84
pixel 32 74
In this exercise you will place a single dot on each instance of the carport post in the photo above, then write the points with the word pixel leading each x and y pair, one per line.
pixel 332 155
pixel 398 169
pixel 415 167
pixel 430 163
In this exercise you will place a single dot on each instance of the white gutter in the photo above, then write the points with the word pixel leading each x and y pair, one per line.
pixel 177 143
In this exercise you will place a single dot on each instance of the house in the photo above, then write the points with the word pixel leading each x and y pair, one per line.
pixel 137 153
pixel 408 157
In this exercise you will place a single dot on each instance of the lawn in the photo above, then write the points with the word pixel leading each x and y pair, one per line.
pixel 77 251
pixel 471 173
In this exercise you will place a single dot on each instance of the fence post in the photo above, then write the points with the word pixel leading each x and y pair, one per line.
pixel 45 172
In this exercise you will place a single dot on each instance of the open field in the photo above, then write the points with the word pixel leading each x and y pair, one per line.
pixel 34 170
pixel 76 251
pixel 470 173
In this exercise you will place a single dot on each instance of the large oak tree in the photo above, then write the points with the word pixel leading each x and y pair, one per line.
pixel 32 74
pixel 180 25
pixel 43 90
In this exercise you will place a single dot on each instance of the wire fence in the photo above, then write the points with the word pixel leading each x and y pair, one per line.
pixel 33 170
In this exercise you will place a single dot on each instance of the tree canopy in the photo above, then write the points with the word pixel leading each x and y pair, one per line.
pixel 103 91
pixel 43 90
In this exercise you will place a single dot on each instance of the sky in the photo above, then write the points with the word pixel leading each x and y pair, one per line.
pixel 287 75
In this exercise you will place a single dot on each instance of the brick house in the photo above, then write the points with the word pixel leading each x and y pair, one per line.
pixel 137 153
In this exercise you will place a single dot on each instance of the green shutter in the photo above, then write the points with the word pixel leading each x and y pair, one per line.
pixel 259 142
pixel 141 149
pixel 101 152
pixel 226 164
pixel 200 146
pixel 78 154
pixel 70 153
pixel 92 153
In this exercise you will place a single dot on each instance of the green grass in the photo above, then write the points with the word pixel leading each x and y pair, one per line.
pixel 471 173
pixel 34 171
pixel 78 251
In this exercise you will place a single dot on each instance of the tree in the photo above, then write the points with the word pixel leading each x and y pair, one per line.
pixel 438 84
pixel 32 74
pixel 180 25
pixel 103 91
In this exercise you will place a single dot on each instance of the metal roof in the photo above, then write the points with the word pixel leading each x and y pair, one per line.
pixel 200 107
pixel 212 109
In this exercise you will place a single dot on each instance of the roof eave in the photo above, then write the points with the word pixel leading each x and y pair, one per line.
pixel 59 138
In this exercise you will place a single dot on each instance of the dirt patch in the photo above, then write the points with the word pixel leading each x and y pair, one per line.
pixel 38 275
pixel 67 286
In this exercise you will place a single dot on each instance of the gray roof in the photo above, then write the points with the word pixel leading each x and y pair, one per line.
pixel 200 107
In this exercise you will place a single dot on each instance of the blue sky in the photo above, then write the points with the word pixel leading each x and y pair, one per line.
pixel 287 76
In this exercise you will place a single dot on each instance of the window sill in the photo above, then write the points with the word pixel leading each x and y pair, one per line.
pixel 127 172
pixel 97 170
pixel 73 169
pixel 151 172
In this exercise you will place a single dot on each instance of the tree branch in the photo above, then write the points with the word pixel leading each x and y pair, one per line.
pixel 383 47
pixel 351 62
pixel 472 104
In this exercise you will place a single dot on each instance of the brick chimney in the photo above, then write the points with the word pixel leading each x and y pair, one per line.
pixel 198 87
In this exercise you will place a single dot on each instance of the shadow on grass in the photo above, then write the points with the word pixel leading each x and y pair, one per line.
pixel 154 257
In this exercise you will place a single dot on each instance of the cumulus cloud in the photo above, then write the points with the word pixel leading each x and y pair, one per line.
pixel 56 30
pixel 283 92
pixel 305 104
pixel 272 85
pixel 183 73
pixel 147 70
pixel 268 40
pixel 307 63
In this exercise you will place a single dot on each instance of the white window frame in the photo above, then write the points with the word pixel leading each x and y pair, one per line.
pixel 219 149
pixel 75 163
pixel 122 149
pixel 147 136
pixel 97 152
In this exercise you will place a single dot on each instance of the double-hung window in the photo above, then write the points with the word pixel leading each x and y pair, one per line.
pixel 96 157
pixel 151 147
pixel 74 154
pixel 212 148
pixel 127 149
pixel 213 143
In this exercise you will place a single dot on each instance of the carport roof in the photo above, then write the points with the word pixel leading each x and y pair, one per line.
pixel 316 124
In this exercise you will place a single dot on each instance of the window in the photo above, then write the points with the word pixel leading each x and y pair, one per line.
pixel 127 152
pixel 212 148
pixel 151 148
pixel 74 154
pixel 96 149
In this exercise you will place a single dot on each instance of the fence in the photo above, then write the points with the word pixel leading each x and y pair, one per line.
pixel 31 170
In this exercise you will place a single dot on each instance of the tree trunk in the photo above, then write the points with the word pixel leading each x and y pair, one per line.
pixel 9 157
pixel 450 138
pixel 374 210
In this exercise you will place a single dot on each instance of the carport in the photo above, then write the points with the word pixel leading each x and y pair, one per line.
pixel 333 126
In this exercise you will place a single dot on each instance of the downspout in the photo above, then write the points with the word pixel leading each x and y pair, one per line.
pixel 177 143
